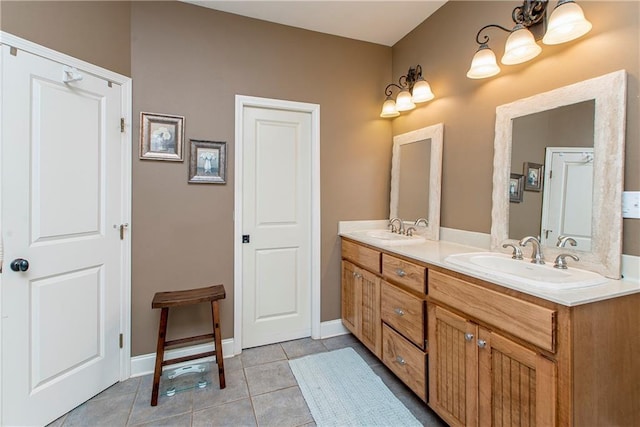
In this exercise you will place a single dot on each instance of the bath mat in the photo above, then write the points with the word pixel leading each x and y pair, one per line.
pixel 342 390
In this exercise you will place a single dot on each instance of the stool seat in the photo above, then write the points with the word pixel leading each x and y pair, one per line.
pixel 166 300
pixel 188 297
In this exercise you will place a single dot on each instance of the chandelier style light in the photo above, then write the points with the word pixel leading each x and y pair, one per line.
pixel 566 23
pixel 413 90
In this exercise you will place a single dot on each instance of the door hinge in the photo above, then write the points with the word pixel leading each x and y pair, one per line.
pixel 122 228
pixel 122 124
pixel 13 51
pixel 121 340
pixel 551 174
pixel 426 345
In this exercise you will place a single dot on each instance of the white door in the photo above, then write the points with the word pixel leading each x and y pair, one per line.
pixel 567 196
pixel 276 198
pixel 61 206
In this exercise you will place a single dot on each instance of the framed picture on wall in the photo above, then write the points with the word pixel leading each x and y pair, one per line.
pixel 161 137
pixel 208 162
pixel 533 173
pixel 516 186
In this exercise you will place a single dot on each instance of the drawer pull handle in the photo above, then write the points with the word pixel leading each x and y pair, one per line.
pixel 482 343
pixel 468 336
pixel 399 311
pixel 400 272
pixel 400 360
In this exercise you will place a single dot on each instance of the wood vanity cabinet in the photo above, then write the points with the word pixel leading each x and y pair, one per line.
pixel 360 295
pixel 499 357
pixel 383 305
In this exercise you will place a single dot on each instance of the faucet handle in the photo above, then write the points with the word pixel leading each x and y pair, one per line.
pixel 517 252
pixel 561 262
pixel 409 231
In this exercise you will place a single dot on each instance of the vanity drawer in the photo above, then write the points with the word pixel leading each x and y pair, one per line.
pixel 404 272
pixel 404 312
pixel 404 360
pixel 361 255
pixel 522 319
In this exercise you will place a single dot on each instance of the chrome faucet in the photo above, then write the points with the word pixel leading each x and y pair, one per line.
pixel 563 240
pixel 400 228
pixel 423 220
pixel 561 262
pixel 536 255
pixel 517 252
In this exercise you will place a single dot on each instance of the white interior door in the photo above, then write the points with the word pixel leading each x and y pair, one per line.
pixel 276 207
pixel 567 198
pixel 61 208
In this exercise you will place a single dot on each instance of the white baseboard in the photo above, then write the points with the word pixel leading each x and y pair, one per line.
pixel 332 328
pixel 145 363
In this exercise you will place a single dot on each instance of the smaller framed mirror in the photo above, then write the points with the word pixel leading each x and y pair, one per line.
pixel 416 176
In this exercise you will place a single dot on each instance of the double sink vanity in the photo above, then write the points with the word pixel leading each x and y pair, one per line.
pixel 486 339
pixel 478 346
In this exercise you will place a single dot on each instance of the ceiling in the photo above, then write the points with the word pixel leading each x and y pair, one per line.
pixel 381 22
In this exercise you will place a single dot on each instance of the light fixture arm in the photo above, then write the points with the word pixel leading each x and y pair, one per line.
pixel 486 37
pixel 407 81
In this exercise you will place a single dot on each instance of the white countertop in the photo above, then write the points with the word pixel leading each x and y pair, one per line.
pixel 435 252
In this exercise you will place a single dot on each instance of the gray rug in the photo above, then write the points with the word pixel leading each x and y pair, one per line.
pixel 342 390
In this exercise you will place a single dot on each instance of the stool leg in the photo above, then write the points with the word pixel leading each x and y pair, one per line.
pixel 162 332
pixel 215 315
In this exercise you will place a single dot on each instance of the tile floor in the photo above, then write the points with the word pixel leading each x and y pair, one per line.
pixel 261 391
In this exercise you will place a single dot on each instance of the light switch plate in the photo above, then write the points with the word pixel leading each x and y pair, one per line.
pixel 631 204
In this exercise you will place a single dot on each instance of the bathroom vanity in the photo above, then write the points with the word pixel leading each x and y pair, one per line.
pixel 483 351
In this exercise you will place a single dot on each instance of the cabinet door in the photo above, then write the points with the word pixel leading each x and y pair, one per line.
pixel 350 297
pixel 453 367
pixel 370 322
pixel 517 386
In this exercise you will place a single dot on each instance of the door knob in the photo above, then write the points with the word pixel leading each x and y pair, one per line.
pixel 19 264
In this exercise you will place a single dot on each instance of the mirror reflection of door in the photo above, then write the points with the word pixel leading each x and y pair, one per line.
pixel 567 199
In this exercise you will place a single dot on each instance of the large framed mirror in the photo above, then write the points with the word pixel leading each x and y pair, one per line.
pixel 574 136
pixel 416 176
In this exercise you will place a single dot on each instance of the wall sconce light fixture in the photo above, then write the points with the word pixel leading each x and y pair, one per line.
pixel 566 23
pixel 413 90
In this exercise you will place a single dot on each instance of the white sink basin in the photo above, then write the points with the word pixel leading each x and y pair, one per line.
pixel 524 272
pixel 388 238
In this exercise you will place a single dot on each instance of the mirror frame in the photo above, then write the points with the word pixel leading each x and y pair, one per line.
pixel 609 92
pixel 435 133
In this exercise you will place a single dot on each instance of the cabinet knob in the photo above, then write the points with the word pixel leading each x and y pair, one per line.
pixel 468 336
pixel 399 311
pixel 400 360
pixel 482 343
pixel 400 272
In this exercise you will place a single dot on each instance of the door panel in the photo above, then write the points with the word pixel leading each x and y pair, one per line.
pixel 80 154
pixel 61 205
pixel 276 200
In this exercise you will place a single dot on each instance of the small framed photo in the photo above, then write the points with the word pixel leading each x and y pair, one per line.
pixel 161 137
pixel 516 184
pixel 208 162
pixel 533 173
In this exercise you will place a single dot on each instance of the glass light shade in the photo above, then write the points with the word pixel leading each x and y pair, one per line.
pixel 520 47
pixel 389 109
pixel 404 102
pixel 567 22
pixel 422 91
pixel 483 64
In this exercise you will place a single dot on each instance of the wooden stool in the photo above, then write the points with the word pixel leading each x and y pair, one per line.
pixel 164 300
